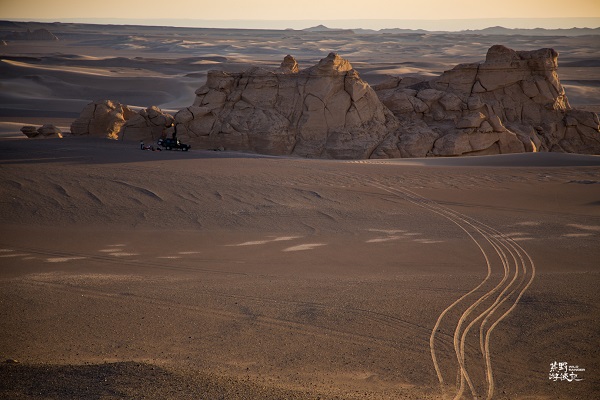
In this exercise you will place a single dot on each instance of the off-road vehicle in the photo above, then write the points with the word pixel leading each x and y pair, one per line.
pixel 170 144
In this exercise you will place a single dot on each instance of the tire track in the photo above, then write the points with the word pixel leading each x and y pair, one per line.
pixel 459 339
pixel 517 270
pixel 431 206
pixel 506 249
pixel 514 249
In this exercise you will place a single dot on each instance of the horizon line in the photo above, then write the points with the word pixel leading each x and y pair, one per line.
pixel 449 24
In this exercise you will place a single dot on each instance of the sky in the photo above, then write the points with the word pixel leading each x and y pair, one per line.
pixel 341 14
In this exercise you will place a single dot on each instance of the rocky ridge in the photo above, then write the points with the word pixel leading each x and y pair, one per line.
pixel 323 111
pixel 513 102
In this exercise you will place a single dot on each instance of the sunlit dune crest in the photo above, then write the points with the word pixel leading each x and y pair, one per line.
pixel 384 239
pixel 252 243
pixel 576 235
pixel 285 238
pixel 595 228
pixel 265 241
pixel 307 246
pixel 62 259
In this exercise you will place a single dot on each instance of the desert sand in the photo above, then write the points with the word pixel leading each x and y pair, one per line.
pixel 264 277
pixel 140 274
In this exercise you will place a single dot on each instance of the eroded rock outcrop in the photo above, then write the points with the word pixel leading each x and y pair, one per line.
pixel 44 131
pixel 148 125
pixel 102 119
pixel 512 102
pixel 30 131
pixel 323 111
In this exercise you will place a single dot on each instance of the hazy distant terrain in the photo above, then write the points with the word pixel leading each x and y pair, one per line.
pixel 451 25
pixel 143 66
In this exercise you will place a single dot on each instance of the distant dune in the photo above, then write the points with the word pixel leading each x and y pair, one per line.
pixel 143 66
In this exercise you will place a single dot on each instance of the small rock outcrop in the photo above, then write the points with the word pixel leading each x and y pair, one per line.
pixel 148 125
pixel 289 65
pixel 30 131
pixel 325 111
pixel 50 130
pixel 45 131
pixel 102 119
pixel 513 102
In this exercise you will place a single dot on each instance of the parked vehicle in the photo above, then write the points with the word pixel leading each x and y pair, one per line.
pixel 174 144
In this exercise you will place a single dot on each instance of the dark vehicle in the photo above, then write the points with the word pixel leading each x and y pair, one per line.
pixel 170 144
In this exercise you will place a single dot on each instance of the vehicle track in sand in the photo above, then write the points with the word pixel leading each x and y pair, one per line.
pixel 508 257
pixel 510 271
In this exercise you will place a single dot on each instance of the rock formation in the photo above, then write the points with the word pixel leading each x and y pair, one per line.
pixel 45 131
pixel 102 119
pixel 113 120
pixel 323 111
pixel 148 125
pixel 30 131
pixel 50 130
pixel 513 102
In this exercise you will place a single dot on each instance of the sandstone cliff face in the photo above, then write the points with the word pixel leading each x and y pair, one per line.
pixel 513 102
pixel 323 111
